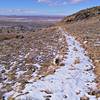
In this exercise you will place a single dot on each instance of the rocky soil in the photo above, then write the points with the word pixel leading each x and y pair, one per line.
pixel 74 80
pixel 22 55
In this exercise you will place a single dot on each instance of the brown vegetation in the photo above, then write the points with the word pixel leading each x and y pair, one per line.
pixel 20 50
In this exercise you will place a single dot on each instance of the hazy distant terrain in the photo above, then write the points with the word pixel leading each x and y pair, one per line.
pixel 31 18
pixel 26 23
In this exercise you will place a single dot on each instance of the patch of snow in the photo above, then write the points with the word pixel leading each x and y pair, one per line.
pixel 85 42
pixel 37 65
pixel 7 95
pixel 97 43
pixel 26 56
pixel 19 73
pixel 2 67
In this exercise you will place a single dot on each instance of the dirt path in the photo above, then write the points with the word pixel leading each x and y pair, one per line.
pixel 70 82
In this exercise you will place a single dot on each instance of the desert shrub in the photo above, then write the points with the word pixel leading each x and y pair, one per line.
pixel 7 36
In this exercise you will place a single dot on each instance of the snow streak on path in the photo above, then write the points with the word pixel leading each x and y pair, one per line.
pixel 70 82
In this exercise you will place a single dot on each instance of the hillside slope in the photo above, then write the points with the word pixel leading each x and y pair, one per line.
pixel 85 27
pixel 20 58
pixel 65 83
pixel 83 14
pixel 50 64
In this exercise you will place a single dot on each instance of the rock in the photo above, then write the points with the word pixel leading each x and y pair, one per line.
pixel 57 61
pixel 85 42
pixel 47 91
pixel 78 92
pixel 97 61
pixel 62 64
pixel 3 98
pixel 11 98
pixel 88 69
pixel 47 99
pixel 77 61
pixel 3 71
pixel 31 67
pixel 65 96
pixel 75 49
pixel 84 98
pixel 94 92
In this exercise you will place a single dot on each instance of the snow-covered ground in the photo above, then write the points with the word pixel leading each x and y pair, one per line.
pixel 70 82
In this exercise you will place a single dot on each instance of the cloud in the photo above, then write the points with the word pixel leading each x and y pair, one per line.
pixel 60 2
pixel 17 11
pixel 76 1
pixel 52 2
pixel 46 1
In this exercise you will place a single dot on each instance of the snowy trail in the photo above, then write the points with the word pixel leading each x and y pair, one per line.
pixel 70 82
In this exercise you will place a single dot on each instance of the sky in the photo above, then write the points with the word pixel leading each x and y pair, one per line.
pixel 44 7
